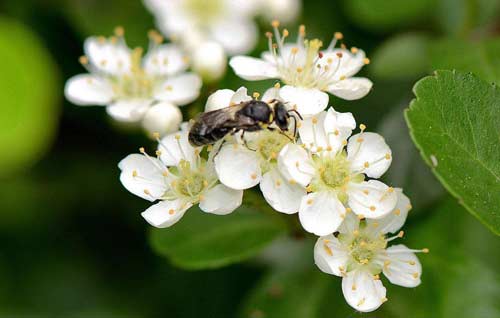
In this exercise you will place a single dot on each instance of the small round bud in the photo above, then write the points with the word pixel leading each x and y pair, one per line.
pixel 162 118
pixel 209 60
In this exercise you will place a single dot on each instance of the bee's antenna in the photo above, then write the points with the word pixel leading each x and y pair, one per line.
pixel 296 112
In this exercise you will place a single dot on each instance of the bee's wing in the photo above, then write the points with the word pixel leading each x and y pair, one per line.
pixel 224 117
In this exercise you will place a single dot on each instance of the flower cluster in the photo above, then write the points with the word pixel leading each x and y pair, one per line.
pixel 317 167
pixel 135 89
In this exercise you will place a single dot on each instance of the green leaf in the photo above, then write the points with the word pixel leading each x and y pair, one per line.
pixel 400 57
pixel 29 97
pixel 297 294
pixel 460 17
pixel 202 240
pixel 388 14
pixel 454 123
pixel 479 57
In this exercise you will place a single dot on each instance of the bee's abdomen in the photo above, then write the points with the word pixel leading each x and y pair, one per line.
pixel 200 134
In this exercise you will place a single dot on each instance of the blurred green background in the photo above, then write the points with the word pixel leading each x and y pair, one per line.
pixel 73 244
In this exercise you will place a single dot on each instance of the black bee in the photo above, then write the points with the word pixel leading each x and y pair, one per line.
pixel 248 116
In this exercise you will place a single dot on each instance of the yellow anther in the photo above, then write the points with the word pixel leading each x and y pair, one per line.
pixel 319 149
pixel 366 60
pixel 343 77
pixel 256 95
pixel 338 35
pixel 158 153
pixel 165 173
pixel 275 23
pixel 415 275
pixel 171 211
pixel 269 35
pixel 361 216
pixel 302 29
pixel 388 156
pixel 397 211
pixel 376 277
pixel 299 69
pixel 425 250
pixel 292 181
pixel 119 31
pixel 277 85
pixel 141 150
pixel 360 140
pixel 285 33
pixel 327 250
pixel 355 232
pixel 329 148
pixel 362 127
pixel 278 183
pixel 169 88
pixel 310 201
pixel 353 287
pixel 366 164
pixel 412 263
pixel 329 60
pixel 309 188
pixel 383 300
pixel 83 60
pixel 401 234
pixel 177 137
pixel 314 120
pixel 354 50
pixel 372 208
pixel 366 192
pixel 390 190
pixel 348 210
pixel 146 191
pixel 134 173
pixel 253 176
pixel 205 183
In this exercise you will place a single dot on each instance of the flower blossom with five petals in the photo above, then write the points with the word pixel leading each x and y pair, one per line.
pixel 307 71
pixel 358 253
pixel 333 172
pixel 179 178
pixel 133 88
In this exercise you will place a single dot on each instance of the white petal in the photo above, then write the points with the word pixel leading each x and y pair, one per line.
pixel 404 268
pixel 395 220
pixel 241 95
pixel 351 88
pixel 165 213
pixel 348 64
pixel 307 101
pixel 285 11
pixel 108 57
pixel 219 99
pixel 280 194
pixel 270 94
pixel 312 132
pixel 362 292
pixel 321 213
pixel 162 118
pixel 86 89
pixel 237 35
pixel 371 199
pixel 221 200
pixel 143 177
pixel 338 127
pixel 175 147
pixel 293 163
pixel 369 149
pixel 166 59
pixel 350 224
pixel 128 110
pixel 180 90
pixel 252 69
pixel 237 167
pixel 330 256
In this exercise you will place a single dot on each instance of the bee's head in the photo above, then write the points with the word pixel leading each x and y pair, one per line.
pixel 280 114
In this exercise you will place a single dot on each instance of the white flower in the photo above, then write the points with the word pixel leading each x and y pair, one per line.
pixel 284 10
pixel 209 60
pixel 132 87
pixel 334 177
pixel 358 253
pixel 307 71
pixel 242 164
pixel 179 178
pixel 228 22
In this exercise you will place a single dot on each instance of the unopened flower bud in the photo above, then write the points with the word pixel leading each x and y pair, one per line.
pixel 162 118
pixel 209 60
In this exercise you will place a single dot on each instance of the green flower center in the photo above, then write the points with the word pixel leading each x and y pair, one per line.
pixel 268 145
pixel 190 183
pixel 136 83
pixel 205 10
